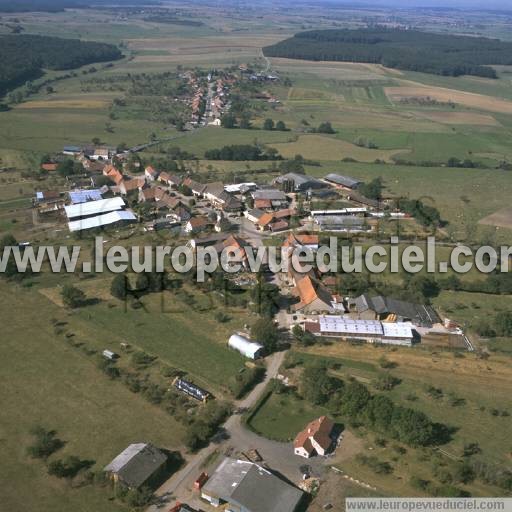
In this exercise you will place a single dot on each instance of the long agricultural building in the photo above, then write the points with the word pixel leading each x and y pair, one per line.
pixel 371 331
pixel 96 214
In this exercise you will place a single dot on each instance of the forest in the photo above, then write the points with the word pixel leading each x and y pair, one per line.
pixel 24 57
pixel 411 50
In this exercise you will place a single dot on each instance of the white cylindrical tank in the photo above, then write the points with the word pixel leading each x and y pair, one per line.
pixel 245 346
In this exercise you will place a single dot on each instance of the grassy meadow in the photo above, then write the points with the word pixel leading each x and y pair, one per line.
pixel 472 390
pixel 55 385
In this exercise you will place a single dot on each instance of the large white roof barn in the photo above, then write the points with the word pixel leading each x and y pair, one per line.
pixel 245 346
pixel 100 207
pixel 101 220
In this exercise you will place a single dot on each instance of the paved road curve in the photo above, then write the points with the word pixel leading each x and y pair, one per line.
pixel 233 433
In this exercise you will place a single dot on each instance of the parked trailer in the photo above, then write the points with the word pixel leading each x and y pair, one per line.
pixel 191 389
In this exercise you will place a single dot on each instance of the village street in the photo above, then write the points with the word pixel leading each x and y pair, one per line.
pixel 235 437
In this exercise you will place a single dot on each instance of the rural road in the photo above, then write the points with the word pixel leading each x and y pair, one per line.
pixel 233 433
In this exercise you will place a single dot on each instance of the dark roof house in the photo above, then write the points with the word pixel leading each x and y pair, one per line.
pixel 248 487
pixel 137 465
pixel 403 311
pixel 343 181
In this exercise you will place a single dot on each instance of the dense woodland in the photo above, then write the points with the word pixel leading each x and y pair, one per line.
pixel 23 57
pixel 401 49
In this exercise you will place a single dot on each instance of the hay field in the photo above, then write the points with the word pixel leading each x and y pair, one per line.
pixel 318 147
pixel 458 118
pixel 500 219
pixel 468 99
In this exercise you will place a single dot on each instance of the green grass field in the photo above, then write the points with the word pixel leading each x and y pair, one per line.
pixel 53 384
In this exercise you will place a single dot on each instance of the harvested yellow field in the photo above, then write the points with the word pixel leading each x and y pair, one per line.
pixel 462 118
pixel 501 218
pixel 468 99
pixel 319 147
pixel 54 104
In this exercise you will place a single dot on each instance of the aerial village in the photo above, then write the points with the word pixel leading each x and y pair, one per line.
pixel 244 216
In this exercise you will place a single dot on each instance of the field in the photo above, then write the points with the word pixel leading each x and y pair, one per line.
pixel 51 382
pixel 471 100
pixel 57 386
pixel 316 147
pixel 500 219
pixel 471 388
pixel 271 422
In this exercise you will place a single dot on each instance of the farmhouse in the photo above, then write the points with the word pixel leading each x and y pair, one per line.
pixel 254 215
pixel 245 346
pixel 196 188
pixel 150 173
pixel 317 438
pixel 248 487
pixel 170 180
pixel 389 309
pixel 275 221
pixel 139 464
pixel 269 198
pixel 302 241
pixel 341 181
pixel 295 182
pixel 127 186
pixel 100 154
pixel 314 296
pixel 113 174
pixel 196 224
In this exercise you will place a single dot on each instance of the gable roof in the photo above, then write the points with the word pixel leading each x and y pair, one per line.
pixel 49 167
pixel 345 181
pixel 319 430
pixel 418 313
pixel 309 290
pixel 299 180
pixel 198 222
pixel 270 194
pixel 137 463
pixel 252 488
pixel 133 184
pixel 298 240
pixel 196 187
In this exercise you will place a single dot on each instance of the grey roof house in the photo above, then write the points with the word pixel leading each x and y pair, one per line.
pixel 139 464
pixel 381 307
pixel 298 182
pixel 247 487
pixel 343 181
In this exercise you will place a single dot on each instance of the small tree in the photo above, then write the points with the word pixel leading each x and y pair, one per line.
pixel 280 126
pixel 265 331
pixel 325 127
pixel 268 124
pixel 72 296
pixel 119 287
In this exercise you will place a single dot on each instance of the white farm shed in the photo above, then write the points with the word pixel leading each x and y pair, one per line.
pixel 245 346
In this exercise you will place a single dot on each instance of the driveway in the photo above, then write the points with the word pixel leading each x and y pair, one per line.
pixel 232 436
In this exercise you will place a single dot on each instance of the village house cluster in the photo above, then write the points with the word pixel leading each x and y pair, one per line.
pixel 241 217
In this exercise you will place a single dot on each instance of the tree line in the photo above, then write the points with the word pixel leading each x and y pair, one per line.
pixel 23 57
pixel 411 50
